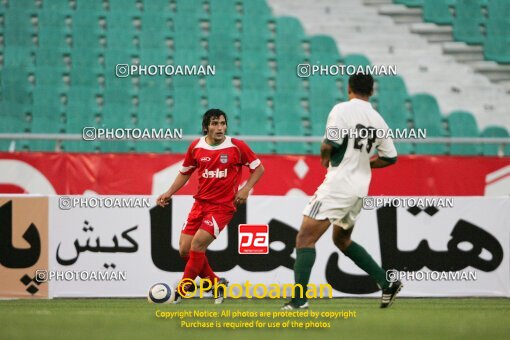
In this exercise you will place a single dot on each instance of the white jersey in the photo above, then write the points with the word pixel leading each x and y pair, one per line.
pixel 349 171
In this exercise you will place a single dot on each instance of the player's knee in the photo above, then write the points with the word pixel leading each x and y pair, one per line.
pixel 198 245
pixel 184 252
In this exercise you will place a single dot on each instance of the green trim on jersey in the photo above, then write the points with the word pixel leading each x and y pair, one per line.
pixel 338 151
pixel 391 160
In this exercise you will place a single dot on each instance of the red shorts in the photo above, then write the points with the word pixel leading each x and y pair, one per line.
pixel 209 217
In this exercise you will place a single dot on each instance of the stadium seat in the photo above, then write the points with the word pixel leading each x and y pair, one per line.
pixel 190 7
pixel 391 97
pixel 17 56
pixel 497 43
pixel 152 6
pixel 81 108
pixel 124 6
pixel 23 5
pixel 256 8
pixel 289 35
pixel 463 124
pixel 223 8
pixel 90 5
pixel 255 31
pixel 18 29
pixel 468 20
pixel 493 149
pixel 225 100
pixel 498 9
pixel 438 12
pixel 287 81
pixel 410 3
pixel 255 62
pixel 427 116
pixel 324 51
pixel 222 53
pixel 497 49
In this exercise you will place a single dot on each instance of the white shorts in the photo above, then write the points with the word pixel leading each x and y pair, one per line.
pixel 341 211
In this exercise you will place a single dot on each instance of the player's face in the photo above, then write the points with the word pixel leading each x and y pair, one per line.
pixel 217 129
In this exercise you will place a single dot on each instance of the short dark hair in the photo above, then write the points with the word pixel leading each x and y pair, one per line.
pixel 210 114
pixel 362 84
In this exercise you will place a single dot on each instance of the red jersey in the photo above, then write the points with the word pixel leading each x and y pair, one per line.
pixel 219 168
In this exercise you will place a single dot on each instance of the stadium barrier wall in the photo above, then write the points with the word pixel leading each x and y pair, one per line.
pixel 151 174
pixel 138 246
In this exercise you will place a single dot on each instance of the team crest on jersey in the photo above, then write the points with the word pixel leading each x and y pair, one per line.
pixel 223 159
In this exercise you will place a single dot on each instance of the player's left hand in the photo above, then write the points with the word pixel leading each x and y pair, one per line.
pixel 241 197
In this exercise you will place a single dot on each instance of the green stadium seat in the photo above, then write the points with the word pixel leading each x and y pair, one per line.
pixel 18 30
pixel 498 27
pixel 53 57
pixel 222 53
pixel 15 92
pixel 223 8
pixel 56 6
pixel 255 31
pixel 50 77
pixel 323 51
pixel 497 49
pixel 186 8
pixel 255 81
pixel 356 60
pixel 255 62
pixel 90 5
pixel 498 9
pixel 391 99
pixel 54 38
pixel 289 36
pixel 493 149
pixel 289 82
pixel 410 3
pixel 322 100
pixel 187 57
pixel 427 116
pixel 225 100
pixel 187 109
pixel 468 20
pixel 124 6
pixel 23 5
pixel 156 6
pixel 83 19
pixel 287 119
pixel 84 77
pixel 256 8
pixel 463 124
pixel 254 99
pixel 438 12
pixel 155 31
pixel 16 56
pixel 83 58
pixel 81 108
pixel 153 101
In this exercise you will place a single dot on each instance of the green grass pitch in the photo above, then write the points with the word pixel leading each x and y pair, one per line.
pixel 472 318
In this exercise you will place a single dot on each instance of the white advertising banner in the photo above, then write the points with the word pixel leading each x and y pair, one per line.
pixel 118 246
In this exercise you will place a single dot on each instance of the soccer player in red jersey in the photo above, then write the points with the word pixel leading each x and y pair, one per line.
pixel 218 159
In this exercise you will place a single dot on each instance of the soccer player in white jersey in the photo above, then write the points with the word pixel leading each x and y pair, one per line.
pixel 338 200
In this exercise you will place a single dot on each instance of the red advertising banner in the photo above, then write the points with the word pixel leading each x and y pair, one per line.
pixel 145 174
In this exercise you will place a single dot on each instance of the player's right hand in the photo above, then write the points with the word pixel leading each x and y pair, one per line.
pixel 163 199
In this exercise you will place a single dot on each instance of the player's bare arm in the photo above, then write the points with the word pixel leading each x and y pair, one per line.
pixel 242 194
pixel 379 162
pixel 178 183
pixel 325 154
